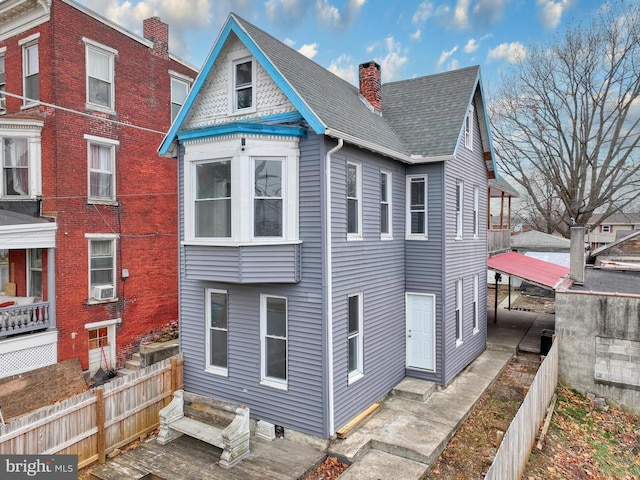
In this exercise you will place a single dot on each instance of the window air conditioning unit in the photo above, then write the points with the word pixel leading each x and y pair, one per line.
pixel 102 292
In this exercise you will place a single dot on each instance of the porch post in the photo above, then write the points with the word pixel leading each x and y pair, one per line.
pixel 51 286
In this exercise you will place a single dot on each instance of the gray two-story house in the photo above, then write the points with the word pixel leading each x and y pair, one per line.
pixel 332 239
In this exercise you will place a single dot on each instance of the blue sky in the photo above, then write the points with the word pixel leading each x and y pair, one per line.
pixel 407 38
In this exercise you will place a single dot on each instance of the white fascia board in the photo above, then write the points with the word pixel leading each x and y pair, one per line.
pixel 403 157
pixel 423 159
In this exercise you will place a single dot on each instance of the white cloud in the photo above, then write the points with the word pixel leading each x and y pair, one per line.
pixel 285 12
pixel 511 52
pixel 393 61
pixel 473 44
pixel 453 64
pixel 416 35
pixel 344 68
pixel 551 11
pixel 445 55
pixel 329 15
pixel 309 50
pixel 423 13
pixel 461 15
pixel 288 42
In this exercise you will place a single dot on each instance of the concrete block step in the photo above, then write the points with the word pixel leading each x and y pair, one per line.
pixel 414 389
pixel 125 371
pixel 133 364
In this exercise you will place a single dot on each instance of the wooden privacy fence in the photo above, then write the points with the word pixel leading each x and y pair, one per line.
pixel 95 422
pixel 516 445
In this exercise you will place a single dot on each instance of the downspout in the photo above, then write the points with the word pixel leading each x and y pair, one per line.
pixel 328 297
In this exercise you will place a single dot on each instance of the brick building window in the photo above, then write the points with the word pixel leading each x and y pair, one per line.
pixel 3 100
pixel 15 167
pixel 102 267
pixel 31 69
pixel 179 91
pixel 100 75
pixel 101 169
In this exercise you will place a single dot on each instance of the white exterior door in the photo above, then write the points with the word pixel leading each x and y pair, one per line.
pixel 421 316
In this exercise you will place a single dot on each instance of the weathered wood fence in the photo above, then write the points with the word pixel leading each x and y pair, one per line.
pixel 96 422
pixel 516 445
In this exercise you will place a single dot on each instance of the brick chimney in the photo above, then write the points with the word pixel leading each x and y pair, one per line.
pixel 157 31
pixel 370 85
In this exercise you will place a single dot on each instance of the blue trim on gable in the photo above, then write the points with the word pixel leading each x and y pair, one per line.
pixel 232 26
pixel 242 127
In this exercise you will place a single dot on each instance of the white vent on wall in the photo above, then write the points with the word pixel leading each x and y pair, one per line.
pixel 102 292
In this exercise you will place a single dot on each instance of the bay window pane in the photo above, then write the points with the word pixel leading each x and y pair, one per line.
pixel 213 199
pixel 268 198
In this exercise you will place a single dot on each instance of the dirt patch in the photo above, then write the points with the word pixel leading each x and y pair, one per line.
pixel 330 469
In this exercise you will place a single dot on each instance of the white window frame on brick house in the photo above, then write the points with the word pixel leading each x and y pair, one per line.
pixel 102 74
pixel 180 85
pixel 414 219
pixel 30 70
pixel 3 100
pixel 458 311
pixel 468 128
pixel 236 59
pixel 476 297
pixel 27 133
pixel 459 209
pixel 105 167
pixel 476 211
pixel 239 192
pixel 99 290
pixel 272 335
pixel 355 337
pixel 386 205
pixel 217 329
pixel 354 199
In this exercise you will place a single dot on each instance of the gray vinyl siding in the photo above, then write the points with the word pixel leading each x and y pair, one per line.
pixel 466 257
pixel 374 267
pixel 302 406
pixel 425 260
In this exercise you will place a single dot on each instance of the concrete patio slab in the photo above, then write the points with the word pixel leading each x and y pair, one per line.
pixel 380 465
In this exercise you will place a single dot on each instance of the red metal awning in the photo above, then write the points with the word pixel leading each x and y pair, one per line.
pixel 539 272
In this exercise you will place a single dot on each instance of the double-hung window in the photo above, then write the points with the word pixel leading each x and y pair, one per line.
pixel 31 70
pixel 416 207
pixel 102 266
pixel 217 314
pixel 100 75
pixel 476 289
pixel 354 201
pixel 476 211
pixel 459 206
pixel 213 199
pixel 3 100
pixel 268 197
pixel 179 91
pixel 458 311
pixel 242 88
pixel 101 169
pixel 15 167
pixel 468 129
pixel 273 333
pixel 355 337
pixel 35 273
pixel 385 205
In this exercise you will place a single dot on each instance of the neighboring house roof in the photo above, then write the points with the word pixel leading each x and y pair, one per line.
pixel 535 240
pixel 605 249
pixel 598 280
pixel 539 272
pixel 618 218
pixel 422 120
pixel 499 184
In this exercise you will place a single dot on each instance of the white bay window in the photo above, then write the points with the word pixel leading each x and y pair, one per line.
pixel 241 190
pixel 20 158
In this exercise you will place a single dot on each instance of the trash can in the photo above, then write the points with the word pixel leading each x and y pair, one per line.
pixel 546 340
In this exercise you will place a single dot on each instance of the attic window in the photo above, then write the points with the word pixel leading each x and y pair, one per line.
pixel 243 83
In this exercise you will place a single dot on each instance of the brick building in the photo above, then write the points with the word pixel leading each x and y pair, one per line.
pixel 88 210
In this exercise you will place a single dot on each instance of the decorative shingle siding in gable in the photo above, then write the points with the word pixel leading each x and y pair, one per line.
pixel 212 106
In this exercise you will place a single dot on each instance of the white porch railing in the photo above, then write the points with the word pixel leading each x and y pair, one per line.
pixel 24 318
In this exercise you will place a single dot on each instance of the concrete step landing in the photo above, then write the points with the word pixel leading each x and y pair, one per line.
pixel 414 389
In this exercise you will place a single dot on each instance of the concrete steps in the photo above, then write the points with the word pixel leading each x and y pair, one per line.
pixel 414 389
pixel 131 366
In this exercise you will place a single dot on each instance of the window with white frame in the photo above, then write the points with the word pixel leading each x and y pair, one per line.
pixel 31 69
pixel 385 205
pixel 235 194
pixel 605 228
pixel 476 287
pixel 3 100
pixel 20 158
pixel 100 75
pixel 459 206
pixel 458 311
pixel 267 197
pixel 355 337
pixel 35 273
pixel 417 207
pixel 15 167
pixel 217 314
pixel 243 91
pixel 476 211
pixel 179 91
pixel 273 332
pixel 354 200
pixel 102 267
pixel 101 169
pixel 468 129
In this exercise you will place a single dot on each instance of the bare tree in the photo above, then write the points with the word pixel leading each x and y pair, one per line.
pixel 566 120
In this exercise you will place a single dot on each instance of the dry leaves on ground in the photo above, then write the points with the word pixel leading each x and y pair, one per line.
pixel 330 469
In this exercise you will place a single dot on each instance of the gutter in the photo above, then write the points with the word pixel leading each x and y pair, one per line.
pixel 328 297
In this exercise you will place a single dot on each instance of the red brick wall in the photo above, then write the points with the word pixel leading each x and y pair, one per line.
pixel 145 217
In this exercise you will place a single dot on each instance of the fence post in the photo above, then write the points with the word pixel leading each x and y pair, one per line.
pixel 100 424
